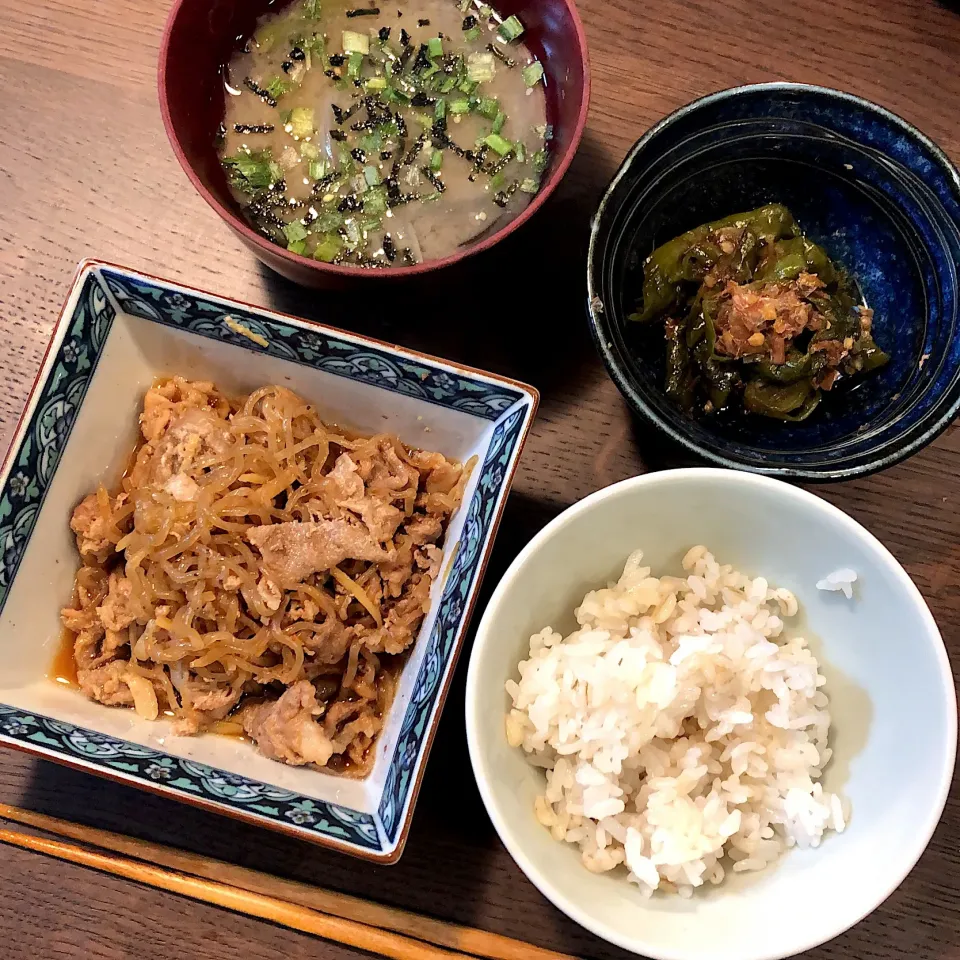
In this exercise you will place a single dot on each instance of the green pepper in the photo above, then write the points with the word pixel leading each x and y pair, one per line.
pixel 868 356
pixel 686 278
pixel 788 267
pixel 791 401
pixel 818 262
pixel 772 222
pixel 721 379
pixel 679 383
pixel 837 309
pixel 699 324
pixel 797 366
pixel 688 257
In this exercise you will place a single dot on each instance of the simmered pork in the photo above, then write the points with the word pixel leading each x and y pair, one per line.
pixel 257 571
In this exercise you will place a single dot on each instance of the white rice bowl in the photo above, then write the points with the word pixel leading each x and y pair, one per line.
pixel 893 716
pixel 682 728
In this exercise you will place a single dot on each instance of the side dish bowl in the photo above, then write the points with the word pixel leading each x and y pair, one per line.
pixel 878 195
pixel 889 683
pixel 200 38
pixel 118 332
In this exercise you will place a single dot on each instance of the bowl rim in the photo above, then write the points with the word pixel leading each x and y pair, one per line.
pixel 883 456
pixel 557 172
pixel 485 635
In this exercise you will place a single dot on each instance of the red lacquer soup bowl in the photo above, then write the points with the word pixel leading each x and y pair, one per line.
pixel 201 36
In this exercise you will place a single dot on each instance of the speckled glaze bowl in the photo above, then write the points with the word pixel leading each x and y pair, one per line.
pixel 883 200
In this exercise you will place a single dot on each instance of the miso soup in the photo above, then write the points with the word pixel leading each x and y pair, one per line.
pixel 384 135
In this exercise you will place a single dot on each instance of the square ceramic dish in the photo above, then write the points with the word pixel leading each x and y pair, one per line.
pixel 117 333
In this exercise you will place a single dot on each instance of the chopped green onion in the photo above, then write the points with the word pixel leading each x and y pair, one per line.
pixel 317 44
pixel 465 5
pixel 328 220
pixel 376 83
pixel 318 169
pixel 467 86
pixel 510 29
pixel 485 12
pixel 371 174
pixel 277 87
pixel 435 47
pixel 356 42
pixel 497 180
pixel 371 142
pixel 539 162
pixel 354 64
pixel 529 185
pixel 297 246
pixel 436 160
pixel 309 151
pixel 533 74
pixel 481 67
pixel 301 122
pixel 440 109
pixel 295 231
pixel 375 201
pixel 328 249
pixel 495 142
pixel 252 171
pixel 520 151
pixel 311 9
pixel 489 107
pixel 459 106
pixel 498 121
pixel 472 34
pixel 424 119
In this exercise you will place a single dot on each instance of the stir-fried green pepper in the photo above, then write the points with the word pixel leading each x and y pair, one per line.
pixel 754 307
pixel 679 381
pixel 791 401
pixel 797 366
pixel 687 259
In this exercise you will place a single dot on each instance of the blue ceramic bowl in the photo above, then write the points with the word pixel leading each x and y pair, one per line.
pixel 882 199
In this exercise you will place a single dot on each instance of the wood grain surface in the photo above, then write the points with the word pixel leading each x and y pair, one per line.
pixel 85 170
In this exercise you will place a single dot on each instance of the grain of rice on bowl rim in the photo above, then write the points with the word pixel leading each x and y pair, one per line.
pixel 681 733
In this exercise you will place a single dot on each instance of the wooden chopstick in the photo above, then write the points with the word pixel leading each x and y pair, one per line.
pixel 348 932
pixel 298 902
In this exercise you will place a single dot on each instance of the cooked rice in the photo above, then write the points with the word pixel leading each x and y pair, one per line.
pixel 681 733
pixel 842 580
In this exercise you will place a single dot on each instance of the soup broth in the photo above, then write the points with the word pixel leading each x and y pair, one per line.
pixel 383 135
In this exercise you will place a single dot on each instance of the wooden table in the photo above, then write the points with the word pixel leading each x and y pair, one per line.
pixel 86 171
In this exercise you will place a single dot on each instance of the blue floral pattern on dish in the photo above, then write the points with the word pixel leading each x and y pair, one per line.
pixel 143 763
pixel 480 514
pixel 34 464
pixel 324 351
pixel 42 444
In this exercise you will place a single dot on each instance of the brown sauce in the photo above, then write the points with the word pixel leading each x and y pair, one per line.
pixel 63 668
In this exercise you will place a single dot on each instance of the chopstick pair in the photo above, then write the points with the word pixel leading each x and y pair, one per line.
pixel 387 931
